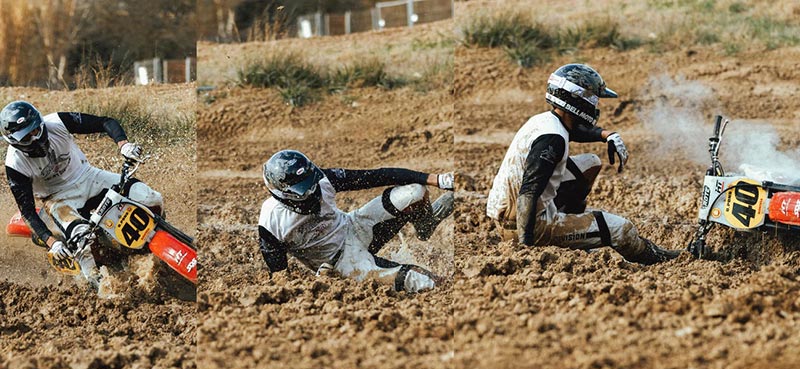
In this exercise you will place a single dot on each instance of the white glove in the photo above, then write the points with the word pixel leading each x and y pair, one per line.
pixel 131 151
pixel 60 251
pixel 446 181
pixel 616 146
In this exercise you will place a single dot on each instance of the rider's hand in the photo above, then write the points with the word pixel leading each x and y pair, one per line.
pixel 60 251
pixel 616 146
pixel 131 151
pixel 446 181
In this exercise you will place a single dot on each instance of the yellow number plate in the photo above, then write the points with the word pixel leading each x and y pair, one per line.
pixel 132 227
pixel 744 205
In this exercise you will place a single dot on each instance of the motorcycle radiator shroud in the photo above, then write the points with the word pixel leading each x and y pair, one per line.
pixel 745 204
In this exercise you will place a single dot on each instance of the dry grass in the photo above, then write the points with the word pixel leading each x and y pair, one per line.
pixel 658 25
pixel 409 54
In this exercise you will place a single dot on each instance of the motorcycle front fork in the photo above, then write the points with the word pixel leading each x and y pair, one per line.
pixel 698 246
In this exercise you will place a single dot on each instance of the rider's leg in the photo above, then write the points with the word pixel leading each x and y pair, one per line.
pixel 373 225
pixel 577 183
pixel 141 192
pixel 406 203
pixel 596 229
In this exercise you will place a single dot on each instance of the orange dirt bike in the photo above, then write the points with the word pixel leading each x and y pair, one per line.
pixel 741 202
pixel 129 227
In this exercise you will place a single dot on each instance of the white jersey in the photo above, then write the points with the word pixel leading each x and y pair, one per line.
pixel 58 171
pixel 311 238
pixel 502 201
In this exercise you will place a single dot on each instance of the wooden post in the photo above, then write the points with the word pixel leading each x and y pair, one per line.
pixel 410 13
pixel 188 69
pixel 347 22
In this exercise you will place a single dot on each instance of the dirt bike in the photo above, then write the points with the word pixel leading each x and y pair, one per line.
pixel 120 223
pixel 741 202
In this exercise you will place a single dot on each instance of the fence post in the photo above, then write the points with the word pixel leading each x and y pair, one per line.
pixel 410 13
pixel 376 17
pixel 347 22
pixel 188 69
pixel 165 69
pixel 318 23
pixel 157 75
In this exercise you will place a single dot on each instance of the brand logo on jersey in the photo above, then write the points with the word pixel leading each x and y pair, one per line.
pixel 56 165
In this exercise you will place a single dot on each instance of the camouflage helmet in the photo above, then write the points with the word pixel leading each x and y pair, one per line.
pixel 290 175
pixel 22 127
pixel 577 88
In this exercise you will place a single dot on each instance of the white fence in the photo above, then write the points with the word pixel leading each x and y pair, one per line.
pixel 398 13
pixel 158 70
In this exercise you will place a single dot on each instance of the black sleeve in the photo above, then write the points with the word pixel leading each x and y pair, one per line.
pixel 586 133
pixel 273 251
pixel 350 179
pixel 546 152
pixel 22 188
pixel 86 123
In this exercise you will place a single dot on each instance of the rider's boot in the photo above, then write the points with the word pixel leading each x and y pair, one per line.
pixel 85 258
pixel 653 254
pixel 430 217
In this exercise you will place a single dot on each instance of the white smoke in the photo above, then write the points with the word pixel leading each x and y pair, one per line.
pixel 681 112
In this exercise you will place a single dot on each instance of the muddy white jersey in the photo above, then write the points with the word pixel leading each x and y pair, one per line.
pixel 502 201
pixel 63 165
pixel 312 238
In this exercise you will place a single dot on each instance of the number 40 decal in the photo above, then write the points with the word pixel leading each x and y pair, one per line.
pixel 133 226
pixel 743 206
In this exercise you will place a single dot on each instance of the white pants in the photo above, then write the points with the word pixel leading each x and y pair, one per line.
pixel 62 207
pixel 358 263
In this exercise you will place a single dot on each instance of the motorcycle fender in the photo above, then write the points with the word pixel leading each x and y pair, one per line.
pixel 785 208
pixel 17 227
pixel 180 257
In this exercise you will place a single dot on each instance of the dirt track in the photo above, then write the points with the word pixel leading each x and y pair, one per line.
pixel 50 321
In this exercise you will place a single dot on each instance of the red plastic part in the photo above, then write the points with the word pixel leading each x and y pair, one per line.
pixel 179 256
pixel 785 208
pixel 16 226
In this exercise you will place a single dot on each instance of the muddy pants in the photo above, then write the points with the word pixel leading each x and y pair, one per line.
pixel 71 207
pixel 565 223
pixel 373 225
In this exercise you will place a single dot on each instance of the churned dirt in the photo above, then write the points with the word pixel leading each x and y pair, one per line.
pixel 52 321
pixel 295 319
pixel 547 307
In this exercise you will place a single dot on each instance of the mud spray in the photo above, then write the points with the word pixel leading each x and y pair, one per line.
pixel 681 113
pixel 138 278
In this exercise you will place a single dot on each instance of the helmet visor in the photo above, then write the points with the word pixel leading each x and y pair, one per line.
pixel 26 135
pixel 301 190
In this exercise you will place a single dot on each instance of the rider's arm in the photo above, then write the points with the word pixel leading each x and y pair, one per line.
pixel 353 179
pixel 22 188
pixel 87 123
pixel 546 152
pixel 273 250
pixel 584 133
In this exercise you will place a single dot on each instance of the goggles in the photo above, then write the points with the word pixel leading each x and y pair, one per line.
pixel 25 136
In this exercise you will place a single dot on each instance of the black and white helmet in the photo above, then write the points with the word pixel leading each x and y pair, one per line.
pixel 294 180
pixel 577 88
pixel 22 127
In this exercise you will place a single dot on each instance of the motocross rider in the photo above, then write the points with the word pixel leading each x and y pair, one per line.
pixel 539 193
pixel 44 162
pixel 301 218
